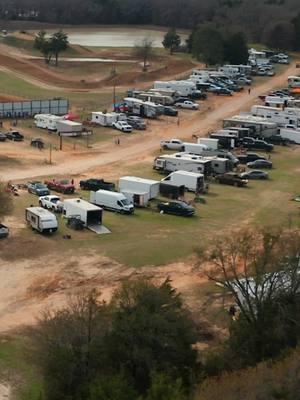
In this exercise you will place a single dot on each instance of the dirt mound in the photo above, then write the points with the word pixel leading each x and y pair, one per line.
pixel 5 98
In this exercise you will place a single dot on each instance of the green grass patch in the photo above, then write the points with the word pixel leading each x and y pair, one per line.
pixel 25 381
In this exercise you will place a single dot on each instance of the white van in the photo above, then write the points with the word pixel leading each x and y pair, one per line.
pixel 113 201
pixel 41 220
pixel 192 181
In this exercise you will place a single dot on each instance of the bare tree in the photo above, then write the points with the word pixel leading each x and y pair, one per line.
pixel 144 50
pixel 255 266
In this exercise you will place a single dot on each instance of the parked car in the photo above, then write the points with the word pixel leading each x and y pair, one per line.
pixel 223 91
pixel 245 158
pixel 188 104
pixel 198 95
pixel 283 61
pixel 4 231
pixel 255 174
pixel 231 178
pixel 37 142
pixel 136 122
pixel 63 185
pixel 260 164
pixel 172 144
pixel 176 208
pixel 96 184
pixel 243 81
pixel 3 137
pixel 122 126
pixel 182 99
pixel 38 188
pixel 213 88
pixel 51 202
pixel 15 136
pixel 250 143
pixel 248 157
pixel 170 111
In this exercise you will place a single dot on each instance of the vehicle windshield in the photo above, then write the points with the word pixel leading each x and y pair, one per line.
pixel 126 202
pixel 65 182
pixel 55 200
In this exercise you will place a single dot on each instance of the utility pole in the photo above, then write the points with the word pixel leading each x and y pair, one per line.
pixel 50 154
pixel 60 142
pixel 114 96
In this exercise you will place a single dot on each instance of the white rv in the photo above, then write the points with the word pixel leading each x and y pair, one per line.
pixel 47 121
pixel 204 151
pixel 113 201
pixel 192 181
pixel 41 220
pixel 219 164
pixel 259 126
pixel 185 88
pixel 107 119
pixel 143 108
pixel 279 101
pixel 88 213
pixel 176 162
pixel 139 190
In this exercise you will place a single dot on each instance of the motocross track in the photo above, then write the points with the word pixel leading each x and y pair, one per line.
pixel 133 149
pixel 28 285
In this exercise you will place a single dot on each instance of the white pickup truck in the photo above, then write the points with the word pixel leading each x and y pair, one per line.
pixel 51 202
pixel 172 144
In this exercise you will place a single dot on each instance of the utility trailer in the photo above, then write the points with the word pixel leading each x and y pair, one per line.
pixel 139 190
pixel 192 181
pixel 107 119
pixel 171 190
pixel 70 128
pixel 88 213
pixel 260 126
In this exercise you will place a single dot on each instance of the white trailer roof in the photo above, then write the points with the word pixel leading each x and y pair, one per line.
pixel 186 173
pixel 141 180
pixel 69 123
pixel 82 204
pixel 41 212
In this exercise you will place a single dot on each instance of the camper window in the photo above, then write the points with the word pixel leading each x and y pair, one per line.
pixel 33 219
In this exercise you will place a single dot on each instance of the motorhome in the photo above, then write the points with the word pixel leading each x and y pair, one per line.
pixel 107 119
pixel 233 70
pixel 47 121
pixel 156 98
pixel 192 181
pixel 113 201
pixel 174 162
pixel 41 220
pixel 259 126
pixel 139 190
pixel 287 116
pixel 279 101
pixel 88 213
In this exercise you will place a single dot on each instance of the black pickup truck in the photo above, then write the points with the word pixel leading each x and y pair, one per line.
pixel 96 184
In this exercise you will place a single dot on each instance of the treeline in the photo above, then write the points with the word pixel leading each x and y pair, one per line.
pixel 143 344
pixel 254 17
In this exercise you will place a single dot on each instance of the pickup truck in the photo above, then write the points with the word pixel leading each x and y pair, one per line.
pixel 172 144
pixel 231 178
pixel 51 202
pixel 96 184
pixel 38 188
pixel 250 143
pixel 4 231
pixel 63 185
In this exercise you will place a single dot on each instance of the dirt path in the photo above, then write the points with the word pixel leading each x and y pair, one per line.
pixel 133 148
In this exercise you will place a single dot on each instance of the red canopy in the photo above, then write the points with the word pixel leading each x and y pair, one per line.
pixel 71 117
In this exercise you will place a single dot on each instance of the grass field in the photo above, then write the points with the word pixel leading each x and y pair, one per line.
pixel 149 238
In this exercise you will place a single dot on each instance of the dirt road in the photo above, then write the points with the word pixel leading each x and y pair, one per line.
pixel 136 147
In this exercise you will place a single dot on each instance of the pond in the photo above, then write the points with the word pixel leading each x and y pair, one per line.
pixel 116 37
